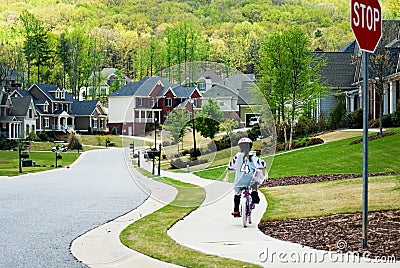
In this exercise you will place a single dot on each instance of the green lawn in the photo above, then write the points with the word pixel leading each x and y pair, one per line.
pixel 330 158
pixel 149 234
pixel 9 162
pixel 330 197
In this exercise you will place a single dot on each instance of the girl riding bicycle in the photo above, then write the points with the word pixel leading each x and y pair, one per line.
pixel 247 167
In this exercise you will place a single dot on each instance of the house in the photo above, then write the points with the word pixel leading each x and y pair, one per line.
pixel 139 104
pixel 101 83
pixel 235 97
pixel 338 75
pixel 17 116
pixel 391 31
pixel 90 116
pixel 57 110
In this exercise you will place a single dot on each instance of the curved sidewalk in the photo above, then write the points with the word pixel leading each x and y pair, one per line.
pixel 101 247
pixel 211 229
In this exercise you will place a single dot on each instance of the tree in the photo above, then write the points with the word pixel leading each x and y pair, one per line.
pixel 36 44
pixel 229 125
pixel 176 124
pixel 207 121
pixel 290 76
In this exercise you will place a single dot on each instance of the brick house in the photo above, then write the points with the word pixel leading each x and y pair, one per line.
pixel 138 104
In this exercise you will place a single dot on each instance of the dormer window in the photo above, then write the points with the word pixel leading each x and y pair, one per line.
pixel 62 94
pixel 46 107
pixel 57 94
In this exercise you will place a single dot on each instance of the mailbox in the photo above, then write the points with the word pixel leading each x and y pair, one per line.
pixel 24 155
pixel 153 153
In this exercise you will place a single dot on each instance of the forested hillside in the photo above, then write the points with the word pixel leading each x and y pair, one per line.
pixel 140 37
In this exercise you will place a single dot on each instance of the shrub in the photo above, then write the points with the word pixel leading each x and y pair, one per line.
pixel 305 127
pixel 387 120
pixel 6 144
pixel 314 141
pixel 373 123
pixel 347 121
pixel 396 115
pixel 179 163
pixel 74 141
pixel 357 117
pixel 254 132
pixel 337 114
pixel 114 131
pixel 297 144
pixel 43 136
pixel 280 147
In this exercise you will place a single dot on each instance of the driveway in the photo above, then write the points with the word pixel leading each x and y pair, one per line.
pixel 42 213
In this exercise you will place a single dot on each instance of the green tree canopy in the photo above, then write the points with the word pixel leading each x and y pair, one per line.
pixel 208 120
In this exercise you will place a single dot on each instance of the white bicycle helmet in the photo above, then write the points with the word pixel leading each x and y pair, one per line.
pixel 245 140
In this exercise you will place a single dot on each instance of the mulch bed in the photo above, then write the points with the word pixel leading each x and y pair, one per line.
pixel 296 180
pixel 374 137
pixel 341 232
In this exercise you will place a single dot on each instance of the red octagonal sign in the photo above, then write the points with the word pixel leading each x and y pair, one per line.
pixel 366 23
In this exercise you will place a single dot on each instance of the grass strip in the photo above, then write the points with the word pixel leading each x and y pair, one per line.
pixel 337 157
pixel 44 161
pixel 149 234
pixel 330 197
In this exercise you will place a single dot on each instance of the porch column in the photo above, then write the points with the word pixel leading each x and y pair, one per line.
pixel 347 102
pixel 385 99
pixel 9 130
pixel 392 91
pixel 351 103
pixel 73 122
pixel 65 122
pixel 18 130
pixel 14 130
pixel 58 123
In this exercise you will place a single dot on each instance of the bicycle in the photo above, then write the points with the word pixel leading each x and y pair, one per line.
pixel 246 206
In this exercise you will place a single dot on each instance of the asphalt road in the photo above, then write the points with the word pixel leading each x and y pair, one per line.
pixel 40 214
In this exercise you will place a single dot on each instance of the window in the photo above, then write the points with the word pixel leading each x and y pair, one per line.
pixel 57 94
pixel 168 102
pixel 102 123
pixel 143 114
pixel 46 107
pixel 62 107
pixel 140 102
pixel 46 122
pixel 56 107
pixel 221 104
pixel 149 115
pixel 62 94
pixel 202 86
pixel 152 103
pixel 136 114
pixel 30 113
pixel 94 122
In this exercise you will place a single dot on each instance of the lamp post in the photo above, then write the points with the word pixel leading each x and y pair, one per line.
pixel 155 143
pixel 194 132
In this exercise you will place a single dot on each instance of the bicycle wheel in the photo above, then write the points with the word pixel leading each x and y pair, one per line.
pixel 243 205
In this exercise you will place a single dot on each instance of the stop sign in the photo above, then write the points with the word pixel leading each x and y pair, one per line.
pixel 366 23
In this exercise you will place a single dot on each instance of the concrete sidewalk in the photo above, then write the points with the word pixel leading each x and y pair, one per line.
pixel 211 229
pixel 101 246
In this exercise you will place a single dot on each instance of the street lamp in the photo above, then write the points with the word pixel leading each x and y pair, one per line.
pixel 155 132
pixel 194 132
pixel 155 142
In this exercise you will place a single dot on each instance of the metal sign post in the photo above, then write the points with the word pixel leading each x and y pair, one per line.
pixel 365 153
pixel 366 23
